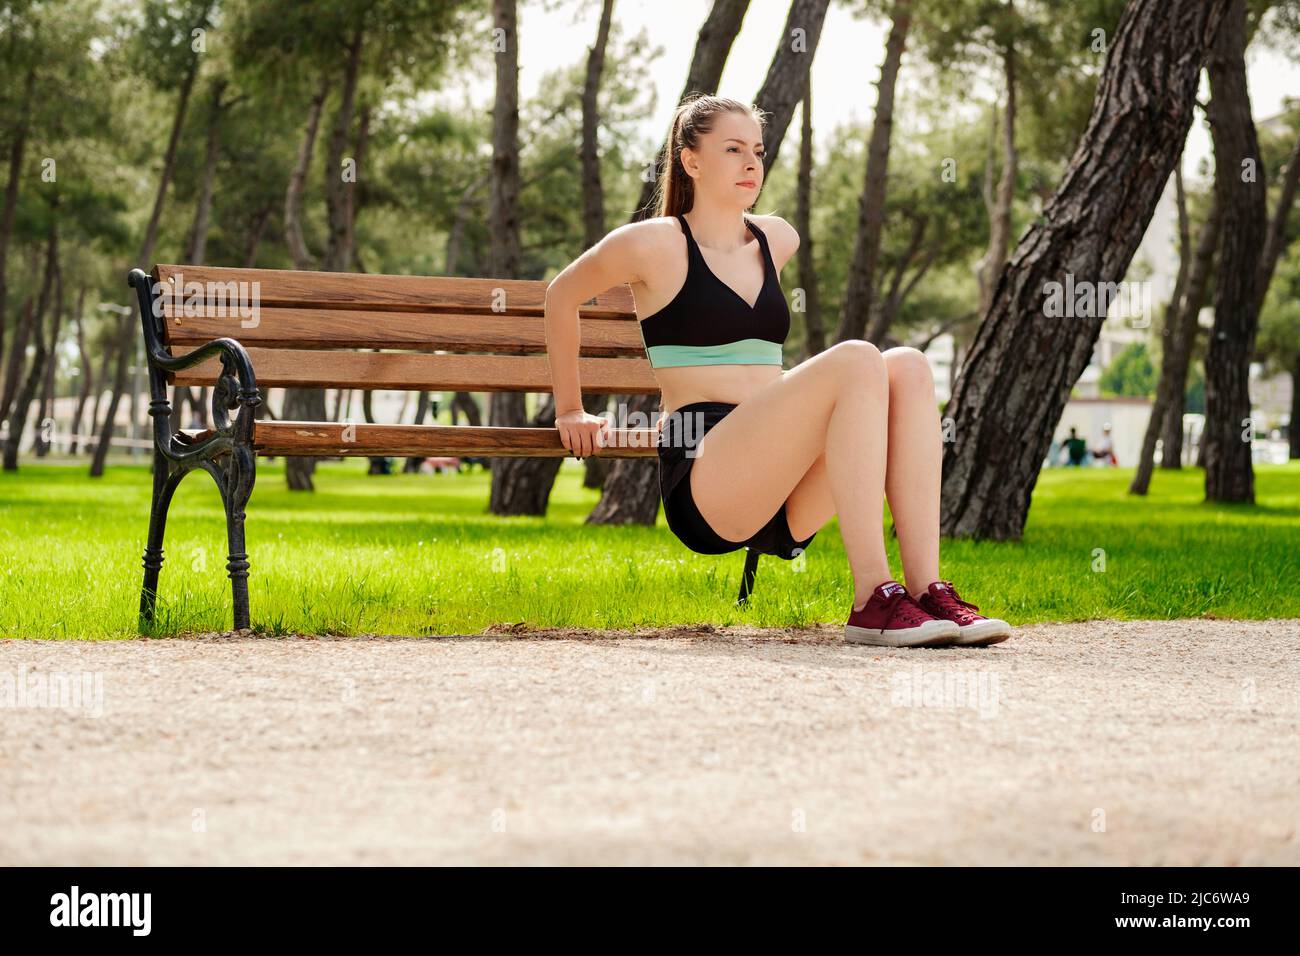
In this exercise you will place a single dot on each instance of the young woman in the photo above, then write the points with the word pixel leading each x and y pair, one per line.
pixel 749 455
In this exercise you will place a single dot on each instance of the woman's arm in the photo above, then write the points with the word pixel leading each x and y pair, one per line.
pixel 614 260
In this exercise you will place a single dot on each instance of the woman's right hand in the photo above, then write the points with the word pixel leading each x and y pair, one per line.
pixel 581 432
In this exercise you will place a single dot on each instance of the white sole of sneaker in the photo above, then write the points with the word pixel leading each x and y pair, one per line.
pixel 983 633
pixel 932 634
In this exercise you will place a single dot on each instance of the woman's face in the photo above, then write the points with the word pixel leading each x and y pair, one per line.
pixel 729 161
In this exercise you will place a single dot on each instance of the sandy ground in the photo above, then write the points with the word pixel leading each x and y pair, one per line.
pixel 1099 743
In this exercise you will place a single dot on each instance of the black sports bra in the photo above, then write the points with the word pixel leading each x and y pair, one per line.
pixel 708 323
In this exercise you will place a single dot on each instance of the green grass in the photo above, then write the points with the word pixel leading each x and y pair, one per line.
pixel 419 554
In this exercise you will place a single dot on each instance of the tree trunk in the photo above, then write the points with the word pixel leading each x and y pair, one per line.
pixel 302 258
pixel 1019 371
pixel 23 401
pixel 300 404
pixel 1146 458
pixel 1178 359
pixel 464 404
pixel 17 356
pixel 338 250
pixel 525 487
pixel 1239 182
pixel 16 148
pixel 507 409
pixel 860 288
pixel 46 406
pixel 593 196
pixel 87 373
pixel 1000 224
pixel 1277 238
pixel 196 247
pixel 886 310
pixel 595 468
pixel 353 194
pixel 110 353
pixel 814 329
pixel 1294 427
pixel 256 228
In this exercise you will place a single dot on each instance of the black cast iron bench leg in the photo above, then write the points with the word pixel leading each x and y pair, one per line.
pixel 224 451
pixel 747 577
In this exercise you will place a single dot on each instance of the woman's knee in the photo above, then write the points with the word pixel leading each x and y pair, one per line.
pixel 907 367
pixel 862 363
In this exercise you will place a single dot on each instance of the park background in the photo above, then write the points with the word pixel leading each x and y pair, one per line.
pixel 136 133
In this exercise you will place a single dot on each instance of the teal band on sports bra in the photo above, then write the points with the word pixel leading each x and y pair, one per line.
pixel 743 352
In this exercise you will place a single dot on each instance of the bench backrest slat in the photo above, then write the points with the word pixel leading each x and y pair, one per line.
pixel 275 327
pixel 305 368
pixel 380 293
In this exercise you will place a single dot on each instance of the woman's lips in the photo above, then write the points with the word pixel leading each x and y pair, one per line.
pixel 747 182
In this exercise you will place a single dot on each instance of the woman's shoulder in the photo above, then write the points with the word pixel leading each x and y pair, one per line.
pixel 782 238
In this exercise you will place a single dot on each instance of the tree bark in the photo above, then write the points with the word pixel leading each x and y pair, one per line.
pixel 1000 222
pixel 46 406
pixel 1178 359
pixel 338 250
pixel 256 228
pixel 595 468
pixel 302 404
pixel 860 287
pixel 1019 371
pixel 302 258
pixel 87 373
pixel 106 362
pixel 1276 241
pixel 1146 458
pixel 1294 427
pixel 814 329
pixel 886 309
pixel 23 401
pixel 1229 431
pixel 16 148
pixel 506 409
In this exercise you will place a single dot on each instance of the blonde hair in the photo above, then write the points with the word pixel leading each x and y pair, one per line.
pixel 694 117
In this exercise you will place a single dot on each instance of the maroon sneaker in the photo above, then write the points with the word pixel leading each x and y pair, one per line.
pixel 892 618
pixel 941 600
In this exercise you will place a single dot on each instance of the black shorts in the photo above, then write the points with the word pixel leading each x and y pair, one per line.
pixel 677 445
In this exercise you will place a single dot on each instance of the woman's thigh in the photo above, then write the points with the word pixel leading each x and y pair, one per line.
pixel 810 504
pixel 750 462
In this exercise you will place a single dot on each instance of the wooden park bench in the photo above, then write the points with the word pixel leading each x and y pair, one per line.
pixel 239 330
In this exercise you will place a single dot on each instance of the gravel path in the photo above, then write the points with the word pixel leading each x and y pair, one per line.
pixel 1099 743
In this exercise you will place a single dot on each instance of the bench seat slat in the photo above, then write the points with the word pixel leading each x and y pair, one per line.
pixel 307 368
pixel 316 438
pixel 357 290
pixel 335 329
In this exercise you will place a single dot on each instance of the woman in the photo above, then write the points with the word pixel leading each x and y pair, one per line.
pixel 749 455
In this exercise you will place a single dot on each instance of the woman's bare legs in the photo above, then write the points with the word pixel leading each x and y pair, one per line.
pixel 912 474
pixel 912 479
pixel 752 460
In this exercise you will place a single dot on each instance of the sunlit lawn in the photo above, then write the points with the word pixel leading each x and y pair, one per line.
pixel 419 554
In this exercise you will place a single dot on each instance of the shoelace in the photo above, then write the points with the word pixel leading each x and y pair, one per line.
pixel 949 600
pixel 903 609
